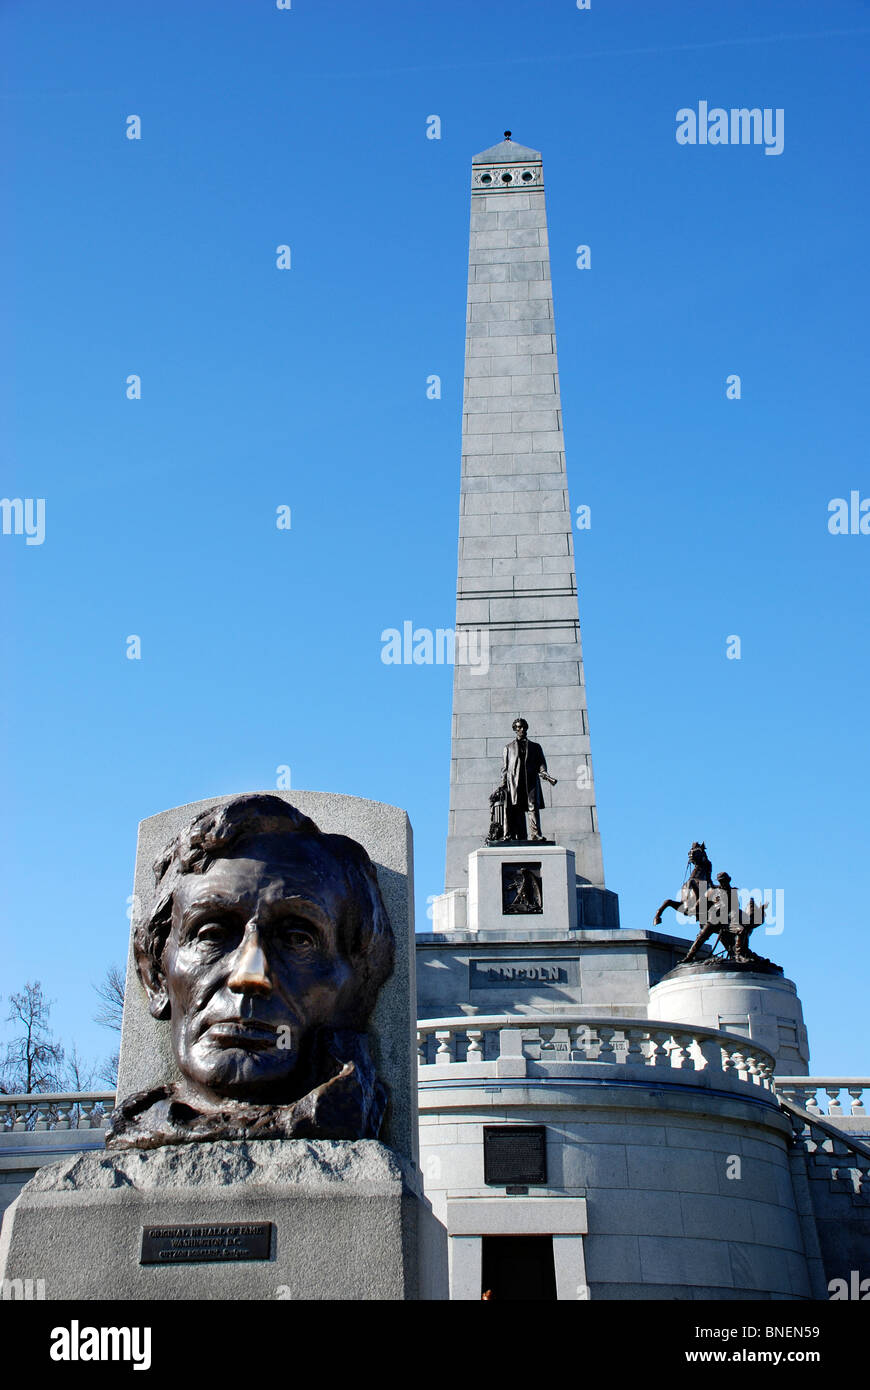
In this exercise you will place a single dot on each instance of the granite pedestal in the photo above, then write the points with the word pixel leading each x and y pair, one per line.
pixel 335 1219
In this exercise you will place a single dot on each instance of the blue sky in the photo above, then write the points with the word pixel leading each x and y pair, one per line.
pixel 307 388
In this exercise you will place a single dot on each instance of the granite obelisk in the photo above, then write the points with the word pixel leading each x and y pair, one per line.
pixel 516 589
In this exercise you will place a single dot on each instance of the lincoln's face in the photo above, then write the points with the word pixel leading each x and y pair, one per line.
pixel 252 966
pixel 520 732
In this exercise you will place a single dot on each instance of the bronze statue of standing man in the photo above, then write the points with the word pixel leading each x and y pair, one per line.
pixel 519 794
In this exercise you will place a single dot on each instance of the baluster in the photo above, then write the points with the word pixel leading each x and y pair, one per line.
pixel 444 1038
pixel 658 1054
pixel 621 1046
pixel 857 1107
pixel 475 1050
pixel 681 1056
pixel 86 1108
pixel 421 1048
pixel 692 1049
pixel 64 1108
pixel 606 1051
pixel 753 1069
pixel 711 1054
pixel 581 1041
pixel 812 1104
pixel 833 1094
pixel 634 1055
pixel 20 1113
pixel 43 1112
pixel 803 1132
pixel 738 1063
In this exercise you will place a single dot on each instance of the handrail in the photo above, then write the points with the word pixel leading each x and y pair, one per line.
pixel 9 1098
pixel 810 1081
pixel 529 1040
pixel 489 1022
pixel 820 1122
pixel 802 1091
pixel 36 1112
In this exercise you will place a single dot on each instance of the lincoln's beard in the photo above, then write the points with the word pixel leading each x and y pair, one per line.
pixel 275 1070
pixel 339 1098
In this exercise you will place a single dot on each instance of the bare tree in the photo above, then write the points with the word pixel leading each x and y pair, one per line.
pixel 110 1015
pixel 33 1061
pixel 78 1075
pixel 111 992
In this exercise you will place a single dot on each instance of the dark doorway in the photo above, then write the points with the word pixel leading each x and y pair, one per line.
pixel 519 1269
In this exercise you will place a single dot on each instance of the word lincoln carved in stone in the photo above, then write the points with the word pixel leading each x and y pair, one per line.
pixel 524 972
pixel 263 928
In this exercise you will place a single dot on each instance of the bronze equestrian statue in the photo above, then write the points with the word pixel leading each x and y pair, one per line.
pixel 699 872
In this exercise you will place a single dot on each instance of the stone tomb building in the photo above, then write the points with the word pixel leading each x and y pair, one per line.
pixel 593 1122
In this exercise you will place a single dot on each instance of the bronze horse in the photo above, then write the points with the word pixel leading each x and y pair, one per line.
pixel 693 892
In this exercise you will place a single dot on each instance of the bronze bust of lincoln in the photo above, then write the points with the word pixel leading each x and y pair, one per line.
pixel 266 948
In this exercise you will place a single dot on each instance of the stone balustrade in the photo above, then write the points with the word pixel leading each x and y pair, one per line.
pixel 839 1159
pixel 823 1095
pixel 521 1045
pixel 64 1110
pixel 517 1040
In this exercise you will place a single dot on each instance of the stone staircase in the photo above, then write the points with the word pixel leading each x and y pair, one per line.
pixel 831 1175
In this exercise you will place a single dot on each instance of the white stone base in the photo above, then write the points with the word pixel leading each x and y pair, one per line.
pixel 480 909
pixel 765 1008
pixel 559 889
pixel 450 911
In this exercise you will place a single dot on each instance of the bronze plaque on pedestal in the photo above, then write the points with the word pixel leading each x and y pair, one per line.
pixel 223 1240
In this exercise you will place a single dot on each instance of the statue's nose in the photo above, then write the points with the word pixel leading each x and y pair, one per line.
pixel 250 973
